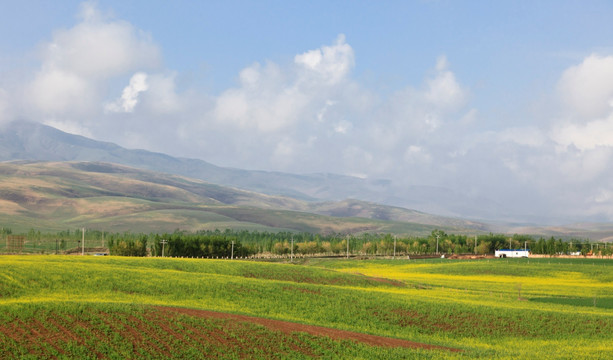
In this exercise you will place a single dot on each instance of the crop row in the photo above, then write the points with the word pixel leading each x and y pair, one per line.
pixel 130 332
pixel 475 306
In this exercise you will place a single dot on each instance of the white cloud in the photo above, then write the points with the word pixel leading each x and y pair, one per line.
pixel 417 113
pixel 271 98
pixel 443 90
pixel 328 65
pixel 129 96
pixel 55 92
pixel 566 162
pixel 161 96
pixel 99 47
pixel 585 136
pixel 587 89
pixel 584 166
pixel 78 64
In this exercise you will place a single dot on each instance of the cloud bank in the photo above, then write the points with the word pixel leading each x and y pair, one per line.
pixel 104 78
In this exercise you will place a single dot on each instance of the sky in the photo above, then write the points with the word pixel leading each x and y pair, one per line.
pixel 510 101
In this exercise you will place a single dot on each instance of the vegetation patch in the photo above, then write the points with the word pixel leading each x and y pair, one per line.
pixel 122 307
pixel 595 301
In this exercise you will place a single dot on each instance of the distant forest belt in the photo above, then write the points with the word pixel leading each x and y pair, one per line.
pixel 290 327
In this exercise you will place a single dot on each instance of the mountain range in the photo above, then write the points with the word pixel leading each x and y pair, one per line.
pixel 111 197
pixel 75 173
pixel 21 140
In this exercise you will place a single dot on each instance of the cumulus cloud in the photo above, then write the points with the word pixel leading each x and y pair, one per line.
pixel 311 115
pixel 587 88
pixel 585 136
pixel 443 90
pixel 56 92
pixel 561 167
pixel 328 64
pixel 78 63
pixel 272 98
pixel 129 96
pixel 416 113
pixel 587 91
pixel 99 47
pixel 265 101
pixel 162 96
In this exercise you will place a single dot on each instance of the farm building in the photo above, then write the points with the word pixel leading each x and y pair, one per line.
pixel 512 253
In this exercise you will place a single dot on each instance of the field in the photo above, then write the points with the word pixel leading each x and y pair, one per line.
pixel 113 307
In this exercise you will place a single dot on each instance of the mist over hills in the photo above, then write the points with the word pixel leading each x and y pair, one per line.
pixel 104 196
pixel 21 140
pixel 231 197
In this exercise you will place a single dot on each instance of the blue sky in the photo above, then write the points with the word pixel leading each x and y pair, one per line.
pixel 505 100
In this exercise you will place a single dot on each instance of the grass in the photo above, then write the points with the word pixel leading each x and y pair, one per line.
pixel 485 308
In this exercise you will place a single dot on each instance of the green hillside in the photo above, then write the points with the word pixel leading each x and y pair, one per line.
pixel 51 196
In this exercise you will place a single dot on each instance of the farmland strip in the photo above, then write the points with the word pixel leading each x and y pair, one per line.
pixel 290 327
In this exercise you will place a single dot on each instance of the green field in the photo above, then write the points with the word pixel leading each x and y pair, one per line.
pixel 114 307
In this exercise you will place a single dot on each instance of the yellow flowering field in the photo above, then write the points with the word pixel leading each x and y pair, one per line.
pixel 119 307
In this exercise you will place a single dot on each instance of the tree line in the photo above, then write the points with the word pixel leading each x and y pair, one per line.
pixel 242 243
pixel 216 243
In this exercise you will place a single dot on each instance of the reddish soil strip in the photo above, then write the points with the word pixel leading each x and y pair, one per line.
pixel 387 281
pixel 290 327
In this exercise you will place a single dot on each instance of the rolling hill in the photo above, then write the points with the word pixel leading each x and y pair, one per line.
pixel 57 195
pixel 22 140
pixel 382 204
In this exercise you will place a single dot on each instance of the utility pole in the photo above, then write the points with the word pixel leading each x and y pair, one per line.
pixel 163 243
pixel 291 256
pixel 232 257
pixel 347 239
pixel 394 247
pixel 525 245
pixel 437 236
pixel 475 250
pixel 510 245
pixel 83 241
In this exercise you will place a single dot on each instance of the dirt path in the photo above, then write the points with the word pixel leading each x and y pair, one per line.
pixel 290 327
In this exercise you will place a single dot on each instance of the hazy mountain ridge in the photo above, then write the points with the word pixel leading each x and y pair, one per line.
pixel 33 141
pixel 53 195
pixel 324 194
